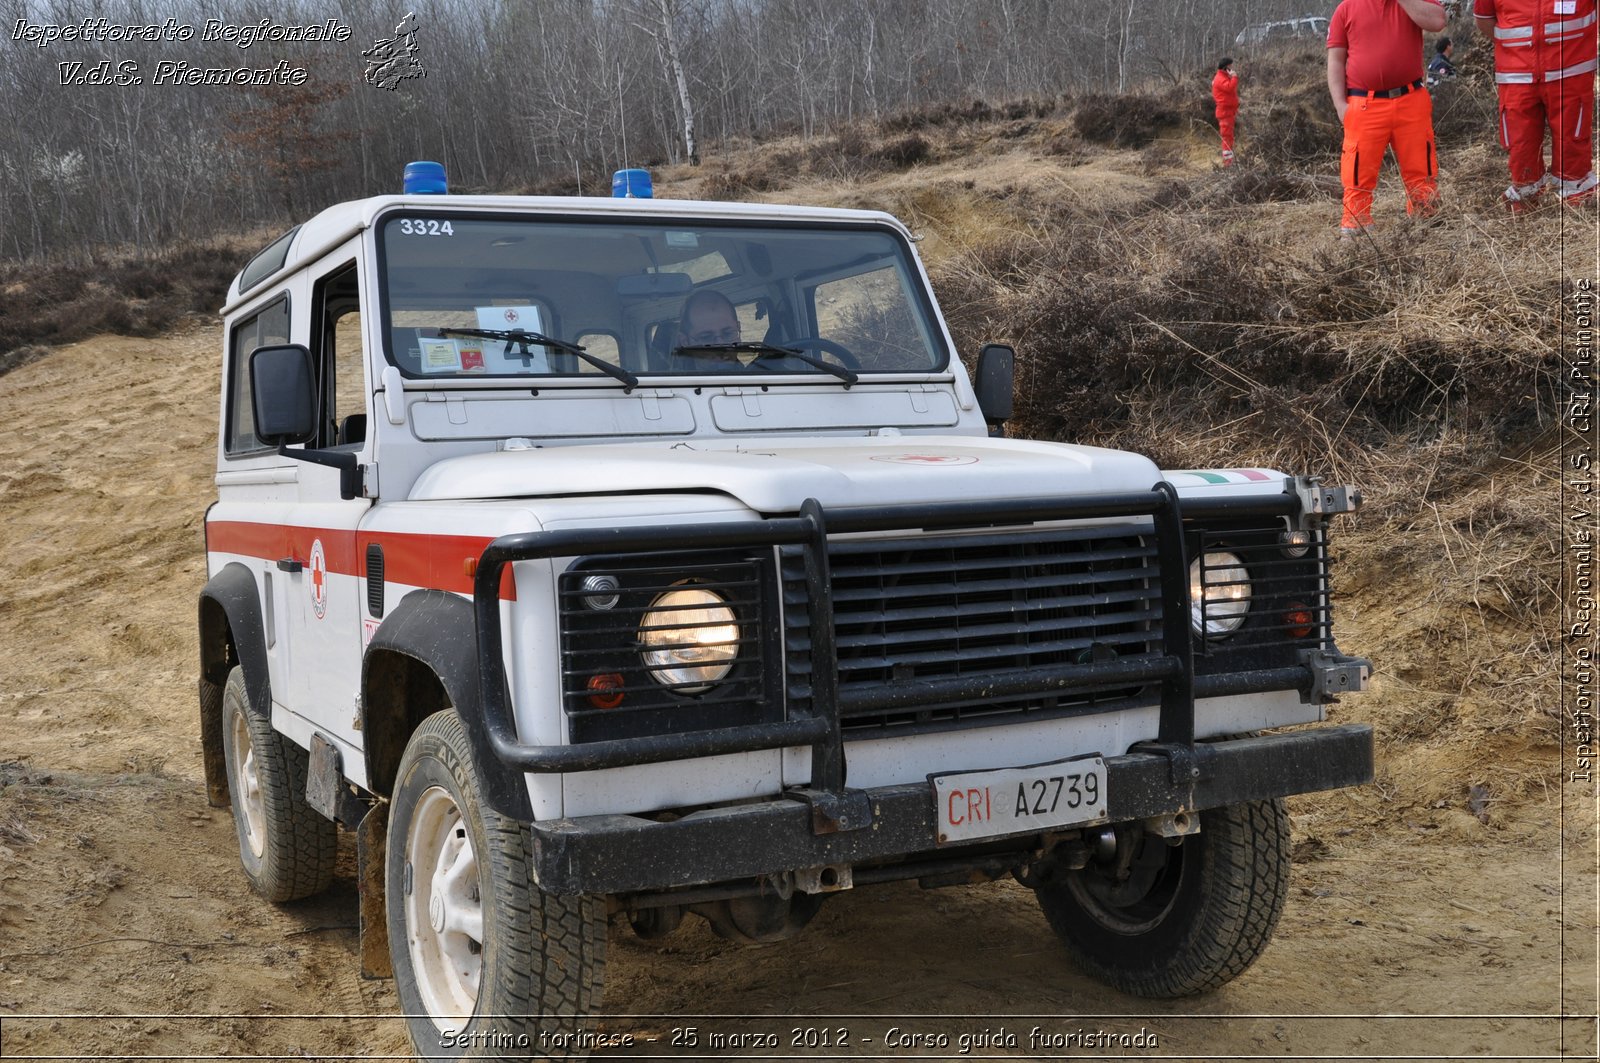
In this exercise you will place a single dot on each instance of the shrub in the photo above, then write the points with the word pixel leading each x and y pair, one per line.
pixel 137 295
pixel 1124 121
pixel 904 152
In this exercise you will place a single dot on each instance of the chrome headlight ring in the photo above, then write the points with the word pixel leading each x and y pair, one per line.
pixel 689 638
pixel 1219 594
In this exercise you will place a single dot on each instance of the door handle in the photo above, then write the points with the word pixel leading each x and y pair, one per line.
pixel 289 564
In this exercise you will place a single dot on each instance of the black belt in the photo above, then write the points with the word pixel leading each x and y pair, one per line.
pixel 1386 94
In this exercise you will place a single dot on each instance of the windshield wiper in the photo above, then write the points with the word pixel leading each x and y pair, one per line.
pixel 523 339
pixel 768 352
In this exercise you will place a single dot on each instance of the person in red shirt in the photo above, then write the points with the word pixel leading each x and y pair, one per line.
pixel 1375 79
pixel 1225 91
pixel 1544 69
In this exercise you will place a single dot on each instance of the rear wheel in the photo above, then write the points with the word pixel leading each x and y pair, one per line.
pixel 1161 920
pixel 288 849
pixel 486 963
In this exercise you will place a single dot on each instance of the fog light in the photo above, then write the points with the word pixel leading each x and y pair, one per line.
pixel 1219 593
pixel 1299 620
pixel 689 639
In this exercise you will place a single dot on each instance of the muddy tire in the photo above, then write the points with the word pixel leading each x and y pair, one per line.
pixel 1190 917
pixel 486 963
pixel 288 849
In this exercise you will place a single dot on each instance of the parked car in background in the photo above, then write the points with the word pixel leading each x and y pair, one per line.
pixel 1308 27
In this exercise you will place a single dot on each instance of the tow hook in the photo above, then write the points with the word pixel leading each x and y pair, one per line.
pixel 1174 826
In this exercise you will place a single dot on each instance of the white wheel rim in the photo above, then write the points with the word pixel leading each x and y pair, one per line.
pixel 251 807
pixel 444 912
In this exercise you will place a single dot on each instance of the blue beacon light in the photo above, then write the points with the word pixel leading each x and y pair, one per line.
pixel 425 179
pixel 631 184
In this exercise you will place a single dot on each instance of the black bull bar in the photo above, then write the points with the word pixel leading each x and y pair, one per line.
pixel 817 826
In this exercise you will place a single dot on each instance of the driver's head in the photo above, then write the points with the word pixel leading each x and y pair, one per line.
pixel 708 317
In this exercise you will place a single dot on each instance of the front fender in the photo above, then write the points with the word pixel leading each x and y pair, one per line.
pixel 230 613
pixel 435 629
pixel 231 632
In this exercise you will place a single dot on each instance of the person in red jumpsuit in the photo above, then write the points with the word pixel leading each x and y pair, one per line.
pixel 1544 68
pixel 1375 79
pixel 1225 91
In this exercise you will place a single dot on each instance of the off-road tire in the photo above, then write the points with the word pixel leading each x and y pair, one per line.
pixel 1208 917
pixel 542 956
pixel 287 848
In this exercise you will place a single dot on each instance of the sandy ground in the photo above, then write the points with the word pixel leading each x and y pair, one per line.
pixel 127 929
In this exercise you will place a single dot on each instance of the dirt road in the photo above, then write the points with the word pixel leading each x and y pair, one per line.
pixel 127 929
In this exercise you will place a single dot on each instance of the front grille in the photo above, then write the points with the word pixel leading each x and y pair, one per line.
pixel 976 605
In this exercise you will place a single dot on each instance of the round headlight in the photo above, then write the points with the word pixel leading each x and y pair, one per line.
pixel 688 639
pixel 1223 591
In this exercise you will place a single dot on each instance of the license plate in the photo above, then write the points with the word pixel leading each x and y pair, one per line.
pixel 986 804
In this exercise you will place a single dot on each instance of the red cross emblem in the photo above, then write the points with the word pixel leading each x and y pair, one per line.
pixel 319 579
pixel 927 459
pixel 512 316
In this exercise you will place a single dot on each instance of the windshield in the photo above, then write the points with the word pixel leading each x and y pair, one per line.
pixel 512 296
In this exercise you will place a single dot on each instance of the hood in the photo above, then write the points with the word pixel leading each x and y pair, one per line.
pixel 777 476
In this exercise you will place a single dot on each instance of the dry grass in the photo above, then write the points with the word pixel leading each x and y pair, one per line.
pixel 127 294
pixel 1218 321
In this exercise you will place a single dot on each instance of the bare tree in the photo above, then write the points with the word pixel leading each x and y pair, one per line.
pixel 519 93
pixel 659 19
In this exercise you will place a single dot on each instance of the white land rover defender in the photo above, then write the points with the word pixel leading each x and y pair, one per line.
pixel 579 609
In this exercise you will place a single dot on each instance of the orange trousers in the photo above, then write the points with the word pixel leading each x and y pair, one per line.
pixel 1373 125
pixel 1225 127
pixel 1565 106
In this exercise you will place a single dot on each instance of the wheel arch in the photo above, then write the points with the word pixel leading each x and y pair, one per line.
pixel 231 633
pixel 423 658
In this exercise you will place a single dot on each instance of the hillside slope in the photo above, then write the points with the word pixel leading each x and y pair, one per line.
pixel 1207 317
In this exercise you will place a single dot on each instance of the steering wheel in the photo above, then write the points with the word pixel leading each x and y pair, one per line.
pixel 845 356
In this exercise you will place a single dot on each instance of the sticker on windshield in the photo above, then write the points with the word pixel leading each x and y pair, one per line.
pixel 440 356
pixel 505 318
pixel 682 239
pixel 425 227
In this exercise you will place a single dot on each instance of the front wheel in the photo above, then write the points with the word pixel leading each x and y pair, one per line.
pixel 1158 920
pixel 486 963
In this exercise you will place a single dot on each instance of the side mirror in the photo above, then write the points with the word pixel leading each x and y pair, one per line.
pixel 997 367
pixel 283 394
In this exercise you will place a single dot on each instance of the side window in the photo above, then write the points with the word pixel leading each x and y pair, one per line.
pixel 336 302
pixel 752 320
pixel 601 345
pixel 349 376
pixel 264 328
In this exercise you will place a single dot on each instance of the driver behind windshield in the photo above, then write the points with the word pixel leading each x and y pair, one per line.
pixel 708 318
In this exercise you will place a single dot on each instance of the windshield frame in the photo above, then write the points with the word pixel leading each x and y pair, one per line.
pixel 914 281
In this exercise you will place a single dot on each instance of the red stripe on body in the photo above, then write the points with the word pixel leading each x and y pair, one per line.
pixel 1251 474
pixel 438 562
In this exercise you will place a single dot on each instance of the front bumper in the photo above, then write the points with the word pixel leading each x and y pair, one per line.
pixel 623 854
